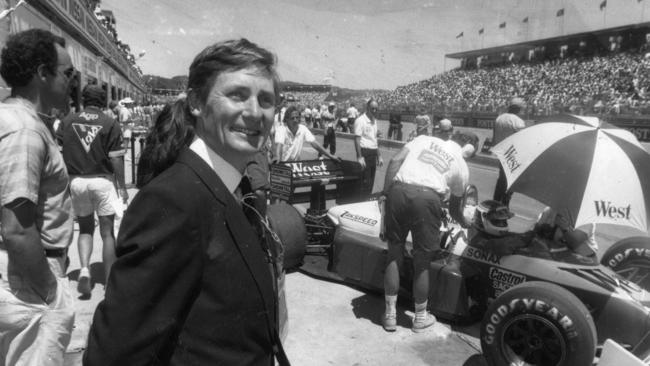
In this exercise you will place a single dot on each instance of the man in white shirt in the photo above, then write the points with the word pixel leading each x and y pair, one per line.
pixel 290 138
pixel 329 118
pixel 365 143
pixel 419 178
pixel 352 114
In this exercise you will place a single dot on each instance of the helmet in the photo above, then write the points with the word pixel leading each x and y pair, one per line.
pixel 491 217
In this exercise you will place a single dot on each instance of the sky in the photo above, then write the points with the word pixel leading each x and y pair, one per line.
pixel 359 44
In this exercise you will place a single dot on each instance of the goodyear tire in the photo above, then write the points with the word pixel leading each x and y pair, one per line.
pixel 538 323
pixel 630 258
pixel 285 221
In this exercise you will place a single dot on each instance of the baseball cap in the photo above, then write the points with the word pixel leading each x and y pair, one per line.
pixel 445 125
pixel 519 102
pixel 332 104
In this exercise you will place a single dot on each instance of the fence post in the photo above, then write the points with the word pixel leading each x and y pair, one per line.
pixel 132 159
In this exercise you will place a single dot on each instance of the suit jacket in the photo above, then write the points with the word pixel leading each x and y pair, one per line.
pixel 191 284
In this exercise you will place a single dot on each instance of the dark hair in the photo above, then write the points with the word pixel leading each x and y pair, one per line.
pixel 174 126
pixel 93 95
pixel 288 112
pixel 24 52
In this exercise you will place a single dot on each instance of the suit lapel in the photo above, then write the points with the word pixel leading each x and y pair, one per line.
pixel 243 234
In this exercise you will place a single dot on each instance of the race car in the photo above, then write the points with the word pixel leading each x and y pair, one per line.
pixel 534 309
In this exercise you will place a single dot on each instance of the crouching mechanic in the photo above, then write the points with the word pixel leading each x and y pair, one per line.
pixel 93 154
pixel 419 178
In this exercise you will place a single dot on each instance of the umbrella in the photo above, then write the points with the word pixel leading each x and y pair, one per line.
pixel 126 100
pixel 592 170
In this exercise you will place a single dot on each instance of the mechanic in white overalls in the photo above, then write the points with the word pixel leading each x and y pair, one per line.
pixel 419 178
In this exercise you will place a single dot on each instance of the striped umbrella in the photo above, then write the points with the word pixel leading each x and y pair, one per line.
pixel 596 172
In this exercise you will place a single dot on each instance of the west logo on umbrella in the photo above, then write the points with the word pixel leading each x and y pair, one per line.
pixel 511 159
pixel 606 209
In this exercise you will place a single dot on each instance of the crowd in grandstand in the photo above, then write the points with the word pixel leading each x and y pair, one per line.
pixel 614 83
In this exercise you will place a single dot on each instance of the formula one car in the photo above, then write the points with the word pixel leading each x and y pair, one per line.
pixel 535 308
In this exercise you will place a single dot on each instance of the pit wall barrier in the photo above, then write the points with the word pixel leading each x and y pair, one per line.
pixel 483 157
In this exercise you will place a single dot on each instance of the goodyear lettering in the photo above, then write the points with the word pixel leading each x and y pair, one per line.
pixel 606 209
pixel 481 255
pixel 620 257
pixel 527 305
pixel 503 280
pixel 89 116
pixel 511 159
pixel 359 218
pixel 306 171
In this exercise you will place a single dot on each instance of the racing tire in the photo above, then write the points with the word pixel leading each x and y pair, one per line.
pixel 538 323
pixel 630 259
pixel 287 223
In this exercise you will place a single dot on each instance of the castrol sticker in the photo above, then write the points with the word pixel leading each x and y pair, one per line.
pixel 503 280
pixel 527 305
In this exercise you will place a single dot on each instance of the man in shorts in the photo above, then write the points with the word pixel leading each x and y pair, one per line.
pixel 426 172
pixel 93 153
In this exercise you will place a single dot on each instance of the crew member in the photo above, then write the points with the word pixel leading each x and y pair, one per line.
pixel 329 119
pixel 93 154
pixel 290 138
pixel 365 143
pixel 419 178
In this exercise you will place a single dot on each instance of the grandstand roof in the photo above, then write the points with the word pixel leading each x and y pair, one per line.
pixel 528 45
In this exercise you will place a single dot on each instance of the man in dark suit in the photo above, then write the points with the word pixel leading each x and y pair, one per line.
pixel 193 283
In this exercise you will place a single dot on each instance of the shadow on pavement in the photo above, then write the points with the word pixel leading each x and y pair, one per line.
pixel 371 307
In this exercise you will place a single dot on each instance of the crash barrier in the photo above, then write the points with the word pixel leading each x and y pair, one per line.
pixel 639 126
pixel 316 181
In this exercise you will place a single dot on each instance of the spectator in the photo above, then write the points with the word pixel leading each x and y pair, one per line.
pixel 36 306
pixel 94 156
pixel 415 188
pixel 123 114
pixel 329 117
pixel 205 294
pixel 505 125
pixel 290 138
pixel 365 143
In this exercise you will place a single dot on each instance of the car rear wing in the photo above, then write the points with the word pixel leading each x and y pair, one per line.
pixel 316 181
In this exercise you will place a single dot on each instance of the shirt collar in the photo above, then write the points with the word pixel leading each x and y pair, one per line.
pixel 228 173
pixel 28 105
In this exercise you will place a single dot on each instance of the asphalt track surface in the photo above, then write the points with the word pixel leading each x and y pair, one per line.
pixel 332 323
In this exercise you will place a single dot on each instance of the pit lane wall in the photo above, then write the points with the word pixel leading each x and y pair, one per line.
pixel 639 126
pixel 93 53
